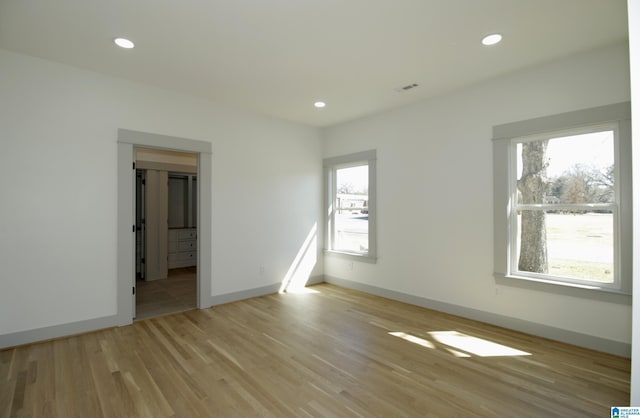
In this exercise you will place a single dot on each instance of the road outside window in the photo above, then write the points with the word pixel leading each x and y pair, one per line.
pixel 351 206
pixel 352 209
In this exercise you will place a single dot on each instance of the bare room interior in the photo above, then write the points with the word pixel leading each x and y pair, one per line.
pixel 366 208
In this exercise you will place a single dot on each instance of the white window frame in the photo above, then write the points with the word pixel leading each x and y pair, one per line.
pixel 331 165
pixel 516 207
pixel 618 114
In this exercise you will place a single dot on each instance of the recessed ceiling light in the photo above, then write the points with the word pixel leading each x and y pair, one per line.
pixel 319 104
pixel 123 43
pixel 491 39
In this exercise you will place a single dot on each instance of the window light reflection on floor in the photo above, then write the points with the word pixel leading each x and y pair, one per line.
pixel 462 345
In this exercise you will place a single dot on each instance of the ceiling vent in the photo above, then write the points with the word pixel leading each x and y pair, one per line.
pixel 406 88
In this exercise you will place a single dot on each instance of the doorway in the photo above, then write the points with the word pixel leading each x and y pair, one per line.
pixel 128 225
pixel 166 232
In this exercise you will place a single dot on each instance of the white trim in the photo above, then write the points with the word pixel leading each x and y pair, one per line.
pixel 350 256
pixel 633 12
pixel 257 292
pixel 245 294
pixel 584 129
pixel 350 160
pixel 74 328
pixel 166 142
pixel 566 336
pixel 581 121
pixel 330 165
pixel 513 271
pixel 126 237
pixel 56 331
pixel 567 206
pixel 127 140
pixel 576 284
pixel 568 120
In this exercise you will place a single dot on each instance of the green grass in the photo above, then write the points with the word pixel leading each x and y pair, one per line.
pixel 599 272
pixel 580 246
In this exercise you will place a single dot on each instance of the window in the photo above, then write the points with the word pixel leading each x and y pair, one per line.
pixel 565 213
pixel 350 203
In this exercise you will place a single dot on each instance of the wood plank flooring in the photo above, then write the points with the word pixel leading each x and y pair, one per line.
pixel 173 294
pixel 332 353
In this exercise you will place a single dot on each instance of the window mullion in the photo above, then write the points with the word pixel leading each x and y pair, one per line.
pixel 333 193
pixel 350 205
pixel 572 206
pixel 554 209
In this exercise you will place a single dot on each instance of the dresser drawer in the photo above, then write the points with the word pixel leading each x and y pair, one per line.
pixel 186 256
pixel 186 259
pixel 187 245
pixel 183 246
pixel 185 234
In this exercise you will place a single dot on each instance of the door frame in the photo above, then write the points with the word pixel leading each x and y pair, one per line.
pixel 127 142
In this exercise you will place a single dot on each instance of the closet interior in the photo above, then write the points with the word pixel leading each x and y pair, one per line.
pixel 166 231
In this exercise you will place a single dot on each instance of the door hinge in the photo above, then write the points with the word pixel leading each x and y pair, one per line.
pixel 134 290
pixel 134 165
pixel 133 228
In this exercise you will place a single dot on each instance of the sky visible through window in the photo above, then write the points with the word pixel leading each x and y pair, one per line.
pixel 352 203
pixel 357 177
pixel 580 241
pixel 592 149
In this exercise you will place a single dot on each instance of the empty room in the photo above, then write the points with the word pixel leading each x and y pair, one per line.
pixel 286 208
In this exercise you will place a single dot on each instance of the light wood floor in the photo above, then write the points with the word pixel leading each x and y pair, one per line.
pixel 333 353
pixel 173 294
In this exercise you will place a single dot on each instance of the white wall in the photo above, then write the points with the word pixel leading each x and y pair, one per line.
pixel 438 246
pixel 634 52
pixel 58 162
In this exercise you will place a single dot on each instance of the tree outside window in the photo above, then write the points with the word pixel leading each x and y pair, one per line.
pixel 565 216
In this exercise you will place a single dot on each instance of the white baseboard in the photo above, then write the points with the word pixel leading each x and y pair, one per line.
pixel 557 334
pixel 570 337
pixel 57 331
pixel 245 294
pixel 64 330
pixel 315 280
pixel 258 291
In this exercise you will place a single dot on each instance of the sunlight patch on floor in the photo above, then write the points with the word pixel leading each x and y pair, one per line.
pixel 462 345
pixel 474 345
pixel 300 290
pixel 457 353
pixel 413 339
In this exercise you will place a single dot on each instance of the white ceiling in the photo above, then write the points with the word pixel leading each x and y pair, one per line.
pixel 278 56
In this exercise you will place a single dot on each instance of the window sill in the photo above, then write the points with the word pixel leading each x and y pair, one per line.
pixel 563 288
pixel 351 256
